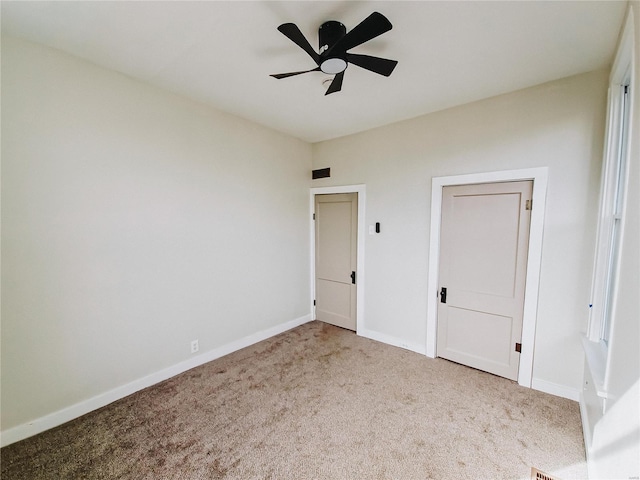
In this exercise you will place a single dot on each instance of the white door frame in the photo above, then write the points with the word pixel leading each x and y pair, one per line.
pixel 539 176
pixel 361 191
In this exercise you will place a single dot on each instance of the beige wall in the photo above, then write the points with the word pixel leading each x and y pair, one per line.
pixel 134 221
pixel 559 125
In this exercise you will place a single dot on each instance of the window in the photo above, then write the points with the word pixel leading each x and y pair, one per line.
pixel 612 211
pixel 615 210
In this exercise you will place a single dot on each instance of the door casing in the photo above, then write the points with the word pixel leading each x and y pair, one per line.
pixel 360 272
pixel 540 177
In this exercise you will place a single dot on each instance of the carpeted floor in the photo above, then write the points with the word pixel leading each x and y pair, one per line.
pixel 316 402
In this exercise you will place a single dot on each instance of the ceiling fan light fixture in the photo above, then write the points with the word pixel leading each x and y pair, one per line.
pixel 332 66
pixel 334 45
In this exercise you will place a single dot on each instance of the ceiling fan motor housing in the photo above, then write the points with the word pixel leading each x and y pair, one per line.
pixel 328 34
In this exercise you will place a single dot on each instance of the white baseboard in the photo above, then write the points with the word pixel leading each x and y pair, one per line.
pixel 536 383
pixel 555 389
pixel 26 430
pixel 396 342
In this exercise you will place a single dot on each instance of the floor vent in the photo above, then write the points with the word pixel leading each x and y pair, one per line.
pixel 539 475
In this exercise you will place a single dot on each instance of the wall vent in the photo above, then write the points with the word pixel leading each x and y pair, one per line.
pixel 320 173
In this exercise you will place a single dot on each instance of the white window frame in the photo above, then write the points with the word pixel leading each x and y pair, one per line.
pixel 611 221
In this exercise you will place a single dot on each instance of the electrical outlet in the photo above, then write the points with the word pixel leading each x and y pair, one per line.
pixel 194 346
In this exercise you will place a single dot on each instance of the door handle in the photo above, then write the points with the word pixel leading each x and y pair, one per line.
pixel 353 277
pixel 443 295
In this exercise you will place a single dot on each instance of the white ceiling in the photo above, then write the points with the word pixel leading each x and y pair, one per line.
pixel 221 53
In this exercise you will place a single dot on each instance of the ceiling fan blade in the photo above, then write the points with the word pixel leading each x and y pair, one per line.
pixel 336 85
pixel 381 66
pixel 372 26
pixel 291 74
pixel 293 33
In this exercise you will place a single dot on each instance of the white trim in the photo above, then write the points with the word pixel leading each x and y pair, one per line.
pixel 540 177
pixel 586 429
pixel 624 54
pixel 26 430
pixel 595 355
pixel 394 341
pixel 555 389
pixel 587 433
pixel 622 73
pixel 361 191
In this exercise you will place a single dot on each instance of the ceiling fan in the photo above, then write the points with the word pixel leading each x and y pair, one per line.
pixel 334 41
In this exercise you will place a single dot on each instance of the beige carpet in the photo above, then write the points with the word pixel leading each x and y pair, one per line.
pixel 316 402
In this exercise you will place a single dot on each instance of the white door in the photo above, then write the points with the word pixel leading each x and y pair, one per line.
pixel 336 243
pixel 483 258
